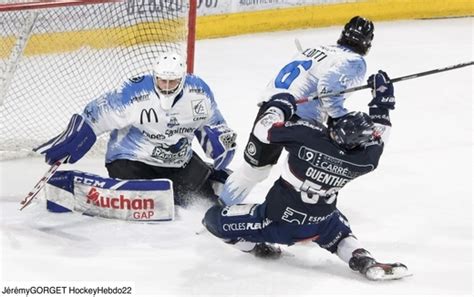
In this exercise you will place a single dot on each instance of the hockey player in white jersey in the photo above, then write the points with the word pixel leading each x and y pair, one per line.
pixel 152 121
pixel 313 72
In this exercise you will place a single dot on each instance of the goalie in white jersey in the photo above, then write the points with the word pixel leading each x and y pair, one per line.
pixel 313 72
pixel 152 122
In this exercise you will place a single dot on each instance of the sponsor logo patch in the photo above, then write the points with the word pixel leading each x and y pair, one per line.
pixel 171 153
pixel 251 149
pixel 293 216
pixel 199 110
pixel 121 202
pixel 147 115
pixel 173 122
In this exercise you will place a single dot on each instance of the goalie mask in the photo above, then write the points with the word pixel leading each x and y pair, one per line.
pixel 352 130
pixel 169 75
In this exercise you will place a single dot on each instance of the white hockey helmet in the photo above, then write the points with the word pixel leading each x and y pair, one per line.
pixel 169 74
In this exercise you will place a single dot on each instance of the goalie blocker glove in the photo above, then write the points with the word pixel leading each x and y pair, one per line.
pixel 219 144
pixel 72 144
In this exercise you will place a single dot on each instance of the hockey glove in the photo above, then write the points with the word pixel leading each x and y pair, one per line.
pixel 382 91
pixel 219 144
pixel 73 143
pixel 285 102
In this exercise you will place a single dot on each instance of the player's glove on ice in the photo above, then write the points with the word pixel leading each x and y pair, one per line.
pixel 219 144
pixel 382 91
pixel 72 143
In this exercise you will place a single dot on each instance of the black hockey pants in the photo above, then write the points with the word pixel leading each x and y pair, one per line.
pixel 189 182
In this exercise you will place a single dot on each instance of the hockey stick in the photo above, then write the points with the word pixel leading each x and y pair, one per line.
pixel 393 80
pixel 41 183
pixel 298 45
pixel 201 231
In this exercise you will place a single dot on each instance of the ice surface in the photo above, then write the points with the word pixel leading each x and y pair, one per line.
pixel 416 208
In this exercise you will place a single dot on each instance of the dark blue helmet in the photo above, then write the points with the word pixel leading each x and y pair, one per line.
pixel 352 130
pixel 357 35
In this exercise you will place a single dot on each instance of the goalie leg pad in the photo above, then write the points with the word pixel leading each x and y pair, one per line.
pixel 54 207
pixel 130 200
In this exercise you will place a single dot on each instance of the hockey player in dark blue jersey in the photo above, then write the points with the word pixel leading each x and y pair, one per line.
pixel 301 205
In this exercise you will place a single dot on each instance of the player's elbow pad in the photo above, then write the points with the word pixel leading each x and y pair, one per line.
pixel 72 144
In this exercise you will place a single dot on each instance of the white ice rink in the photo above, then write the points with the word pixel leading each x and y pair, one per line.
pixel 416 208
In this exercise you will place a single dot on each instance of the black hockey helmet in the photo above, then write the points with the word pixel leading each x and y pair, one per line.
pixel 352 130
pixel 357 35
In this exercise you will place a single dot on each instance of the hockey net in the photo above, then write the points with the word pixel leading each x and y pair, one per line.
pixel 56 56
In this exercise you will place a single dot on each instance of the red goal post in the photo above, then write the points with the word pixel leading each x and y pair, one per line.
pixel 55 56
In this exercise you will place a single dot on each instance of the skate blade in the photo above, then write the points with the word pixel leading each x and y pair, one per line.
pixel 379 274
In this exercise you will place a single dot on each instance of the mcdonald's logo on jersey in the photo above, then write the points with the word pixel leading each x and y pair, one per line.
pixel 148 113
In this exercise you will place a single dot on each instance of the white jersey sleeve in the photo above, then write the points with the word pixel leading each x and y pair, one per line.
pixel 215 120
pixel 317 71
pixel 343 75
pixel 215 117
pixel 115 109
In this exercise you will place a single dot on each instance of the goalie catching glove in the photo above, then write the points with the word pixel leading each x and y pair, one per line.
pixel 218 142
pixel 72 144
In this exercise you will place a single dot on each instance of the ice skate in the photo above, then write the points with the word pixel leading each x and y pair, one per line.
pixel 363 262
pixel 266 251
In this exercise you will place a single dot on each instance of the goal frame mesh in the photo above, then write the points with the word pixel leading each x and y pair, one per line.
pixel 13 151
